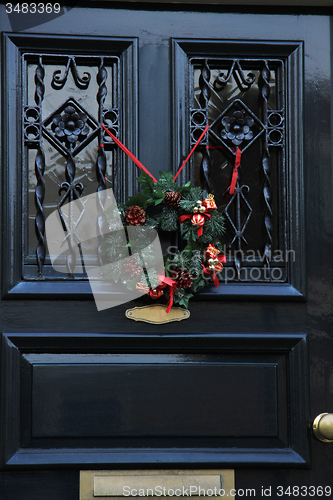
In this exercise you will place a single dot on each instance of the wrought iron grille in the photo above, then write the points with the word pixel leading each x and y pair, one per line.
pixel 67 152
pixel 243 101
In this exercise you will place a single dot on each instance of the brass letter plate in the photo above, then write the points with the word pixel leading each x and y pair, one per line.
pixel 169 484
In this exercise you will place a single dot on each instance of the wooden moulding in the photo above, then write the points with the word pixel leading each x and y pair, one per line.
pixel 156 314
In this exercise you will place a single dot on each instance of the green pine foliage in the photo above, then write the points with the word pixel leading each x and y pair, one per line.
pixel 213 228
pixel 189 232
pixel 191 258
pixel 187 206
pixel 186 259
pixel 168 220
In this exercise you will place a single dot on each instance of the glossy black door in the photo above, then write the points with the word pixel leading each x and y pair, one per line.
pixel 239 383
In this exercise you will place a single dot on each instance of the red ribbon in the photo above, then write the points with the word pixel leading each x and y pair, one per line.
pixel 172 287
pixel 127 151
pixel 189 216
pixel 222 258
pixel 206 270
pixel 198 141
pixel 235 172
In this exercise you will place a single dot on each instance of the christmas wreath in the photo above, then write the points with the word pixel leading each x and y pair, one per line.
pixel 184 210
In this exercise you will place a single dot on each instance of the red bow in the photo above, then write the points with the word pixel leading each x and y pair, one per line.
pixel 206 270
pixel 182 218
pixel 172 287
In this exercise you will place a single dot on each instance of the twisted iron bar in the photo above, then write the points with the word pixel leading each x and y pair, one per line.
pixel 58 81
pixel 243 83
pixel 205 168
pixel 204 85
pixel 264 86
pixel 39 172
pixel 39 82
pixel 101 162
pixel 40 217
pixel 204 97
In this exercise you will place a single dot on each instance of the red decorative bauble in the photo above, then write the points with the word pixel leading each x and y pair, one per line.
pixel 218 267
pixel 135 216
pixel 209 203
pixel 198 220
pixel 155 293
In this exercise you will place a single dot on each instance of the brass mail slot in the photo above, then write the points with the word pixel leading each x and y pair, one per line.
pixel 117 486
pixel 168 484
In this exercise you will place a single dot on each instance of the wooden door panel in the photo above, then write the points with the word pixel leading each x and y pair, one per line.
pixel 148 398
pixel 231 399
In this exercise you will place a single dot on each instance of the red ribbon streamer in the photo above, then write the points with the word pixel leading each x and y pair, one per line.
pixel 206 270
pixel 181 168
pixel 189 216
pixel 172 287
pixel 235 172
pixel 127 151
pixel 215 279
pixel 222 258
pixel 166 280
pixel 184 217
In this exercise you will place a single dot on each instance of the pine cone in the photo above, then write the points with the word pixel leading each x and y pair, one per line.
pixel 172 198
pixel 135 216
pixel 131 267
pixel 183 278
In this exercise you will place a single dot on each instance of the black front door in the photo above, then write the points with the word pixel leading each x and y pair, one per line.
pixel 238 384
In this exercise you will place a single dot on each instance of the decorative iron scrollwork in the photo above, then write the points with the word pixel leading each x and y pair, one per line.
pixel 70 128
pixel 236 123
pixel 58 81
pixel 73 191
pixel 237 127
pixel 275 128
pixel 241 116
pixel 243 82
pixel 31 125
pixel 239 202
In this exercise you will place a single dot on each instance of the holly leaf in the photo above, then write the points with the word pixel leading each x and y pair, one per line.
pixel 158 193
pixel 186 188
pixel 184 300
pixel 197 284
pixel 139 199
pixel 146 183
pixel 166 174
pixel 159 200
